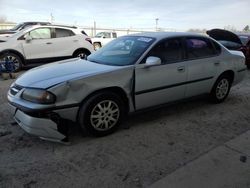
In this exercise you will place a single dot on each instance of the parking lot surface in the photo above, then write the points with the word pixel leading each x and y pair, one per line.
pixel 158 143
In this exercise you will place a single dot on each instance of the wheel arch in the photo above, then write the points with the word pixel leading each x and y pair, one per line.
pixel 81 49
pixel 97 43
pixel 229 73
pixel 117 90
pixel 14 52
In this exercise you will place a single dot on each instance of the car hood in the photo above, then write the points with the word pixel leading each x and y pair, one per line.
pixel 52 74
pixel 224 35
pixel 7 32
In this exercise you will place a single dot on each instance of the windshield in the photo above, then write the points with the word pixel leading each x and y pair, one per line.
pixel 17 27
pixel 99 35
pixel 122 51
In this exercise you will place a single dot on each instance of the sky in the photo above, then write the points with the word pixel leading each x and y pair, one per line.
pixel 172 14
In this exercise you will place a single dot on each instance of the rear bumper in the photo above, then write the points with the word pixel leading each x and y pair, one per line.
pixel 42 127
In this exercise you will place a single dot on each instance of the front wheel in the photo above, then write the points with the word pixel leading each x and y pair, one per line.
pixel 97 46
pixel 101 114
pixel 11 57
pixel 221 89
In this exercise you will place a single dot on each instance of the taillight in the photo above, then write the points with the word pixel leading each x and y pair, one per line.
pixel 89 40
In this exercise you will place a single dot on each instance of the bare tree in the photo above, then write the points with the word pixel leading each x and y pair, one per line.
pixel 246 28
pixel 230 28
pixel 195 30
pixel 2 19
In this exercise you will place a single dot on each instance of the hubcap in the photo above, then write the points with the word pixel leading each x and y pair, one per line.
pixel 105 115
pixel 222 88
pixel 13 59
pixel 97 46
pixel 82 55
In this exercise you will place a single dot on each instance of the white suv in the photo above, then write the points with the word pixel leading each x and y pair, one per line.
pixel 43 44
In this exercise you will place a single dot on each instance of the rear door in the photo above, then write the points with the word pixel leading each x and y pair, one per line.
pixel 202 64
pixel 64 42
pixel 164 83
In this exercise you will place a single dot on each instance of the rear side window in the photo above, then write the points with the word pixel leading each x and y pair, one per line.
pixel 63 33
pixel 199 48
pixel 169 51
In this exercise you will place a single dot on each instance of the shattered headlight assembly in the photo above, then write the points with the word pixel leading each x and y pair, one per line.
pixel 38 96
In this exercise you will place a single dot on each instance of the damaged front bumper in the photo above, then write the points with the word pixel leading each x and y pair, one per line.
pixel 46 128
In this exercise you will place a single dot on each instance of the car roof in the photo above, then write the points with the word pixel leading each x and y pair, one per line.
pixel 52 26
pixel 28 29
pixel 162 35
pixel 36 22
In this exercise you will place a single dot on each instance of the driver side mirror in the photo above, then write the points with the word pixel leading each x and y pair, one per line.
pixel 28 38
pixel 152 61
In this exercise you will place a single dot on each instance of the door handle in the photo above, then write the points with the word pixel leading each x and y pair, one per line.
pixel 75 40
pixel 49 43
pixel 217 63
pixel 181 69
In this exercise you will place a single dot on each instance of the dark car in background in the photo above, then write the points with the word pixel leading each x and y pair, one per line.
pixel 233 41
pixel 19 27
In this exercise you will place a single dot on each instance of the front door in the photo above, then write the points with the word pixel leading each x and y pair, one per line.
pixel 164 83
pixel 40 45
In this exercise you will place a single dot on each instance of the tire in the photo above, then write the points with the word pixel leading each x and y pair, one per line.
pixel 101 114
pixel 13 57
pixel 83 54
pixel 97 46
pixel 221 89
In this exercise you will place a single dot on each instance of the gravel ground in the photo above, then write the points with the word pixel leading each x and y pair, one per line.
pixel 157 143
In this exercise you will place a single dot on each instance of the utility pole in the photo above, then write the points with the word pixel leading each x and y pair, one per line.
pixel 94 28
pixel 156 23
pixel 51 18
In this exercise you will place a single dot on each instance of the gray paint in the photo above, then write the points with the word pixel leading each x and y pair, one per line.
pixel 74 80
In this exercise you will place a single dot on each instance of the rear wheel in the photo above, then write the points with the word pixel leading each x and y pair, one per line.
pixel 83 54
pixel 221 89
pixel 11 57
pixel 97 46
pixel 101 114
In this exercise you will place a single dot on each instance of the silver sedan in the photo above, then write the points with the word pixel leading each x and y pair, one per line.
pixel 129 74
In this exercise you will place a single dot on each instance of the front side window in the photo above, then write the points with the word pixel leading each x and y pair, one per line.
pixel 122 51
pixel 41 33
pixel 63 33
pixel 199 47
pixel 169 51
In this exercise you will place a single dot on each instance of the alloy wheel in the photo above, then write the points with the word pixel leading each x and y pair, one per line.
pixel 104 115
pixel 12 58
pixel 222 88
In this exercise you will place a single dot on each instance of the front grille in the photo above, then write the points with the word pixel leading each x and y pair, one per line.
pixel 15 89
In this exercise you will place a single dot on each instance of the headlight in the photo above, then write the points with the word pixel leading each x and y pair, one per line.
pixel 38 96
